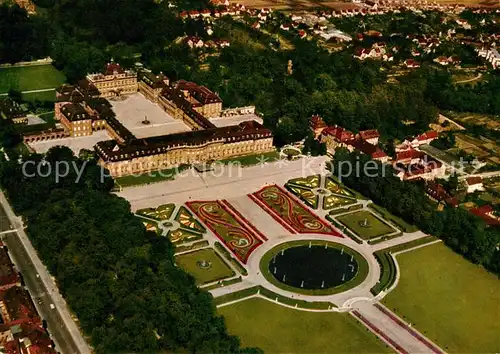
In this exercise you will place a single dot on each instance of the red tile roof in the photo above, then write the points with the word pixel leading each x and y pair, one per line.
pixel 432 134
pixel 369 134
pixel 483 212
pixel 340 133
pixel 113 68
pixel 474 180
pixel 409 154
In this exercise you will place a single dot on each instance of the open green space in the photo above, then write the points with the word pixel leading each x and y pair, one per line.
pixel 27 78
pixel 250 160
pixel 450 300
pixel 149 177
pixel 277 329
pixel 374 226
pixel 40 96
pixel 403 225
pixel 215 269
pixel 358 278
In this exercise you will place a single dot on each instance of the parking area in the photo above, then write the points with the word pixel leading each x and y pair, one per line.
pixel 132 111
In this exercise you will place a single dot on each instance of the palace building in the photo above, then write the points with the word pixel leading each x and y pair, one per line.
pixel 84 108
pixel 161 152
pixel 114 81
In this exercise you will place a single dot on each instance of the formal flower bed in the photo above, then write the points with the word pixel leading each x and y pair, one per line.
pixel 306 195
pixel 336 188
pixel 308 182
pixel 188 221
pixel 334 201
pixel 237 237
pixel 231 209
pixel 278 203
pixel 161 213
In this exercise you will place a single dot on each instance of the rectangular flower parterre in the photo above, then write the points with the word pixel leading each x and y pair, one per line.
pixel 278 203
pixel 237 237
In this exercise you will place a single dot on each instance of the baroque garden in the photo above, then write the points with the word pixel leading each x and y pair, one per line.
pixel 308 253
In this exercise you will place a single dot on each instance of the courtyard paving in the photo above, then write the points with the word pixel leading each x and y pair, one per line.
pixel 134 108
pixel 74 143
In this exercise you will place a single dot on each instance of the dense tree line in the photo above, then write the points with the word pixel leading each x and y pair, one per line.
pixel 458 228
pixel 119 279
pixel 22 38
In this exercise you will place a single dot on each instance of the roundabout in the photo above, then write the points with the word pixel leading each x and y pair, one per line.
pixel 314 267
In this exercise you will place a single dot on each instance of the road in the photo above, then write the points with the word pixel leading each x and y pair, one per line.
pixel 44 292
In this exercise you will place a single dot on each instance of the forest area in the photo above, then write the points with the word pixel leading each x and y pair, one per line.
pixel 118 278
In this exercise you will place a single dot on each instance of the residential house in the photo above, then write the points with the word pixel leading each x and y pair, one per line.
pixel 474 184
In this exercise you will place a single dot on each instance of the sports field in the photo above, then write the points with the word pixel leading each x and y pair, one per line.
pixel 28 78
pixel 374 226
pixel 277 329
pixel 217 269
pixel 452 301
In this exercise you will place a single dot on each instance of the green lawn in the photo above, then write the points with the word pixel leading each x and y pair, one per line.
pixel 452 301
pixel 277 329
pixel 28 78
pixel 375 229
pixel 149 177
pixel 250 160
pixel 218 269
pixel 40 96
pixel 403 225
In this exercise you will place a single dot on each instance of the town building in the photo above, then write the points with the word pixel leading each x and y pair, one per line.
pixel 10 109
pixel 8 274
pixel 486 213
pixel 438 193
pixel 21 328
pixel 114 81
pixel 333 137
pixel 474 184
pixel 426 168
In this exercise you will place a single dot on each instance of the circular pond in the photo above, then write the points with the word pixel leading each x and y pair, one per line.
pixel 315 268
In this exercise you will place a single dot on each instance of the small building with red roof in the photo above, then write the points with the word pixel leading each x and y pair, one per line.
pixel 474 183
pixel 486 213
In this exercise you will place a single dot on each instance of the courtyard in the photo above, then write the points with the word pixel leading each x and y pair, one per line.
pixel 133 109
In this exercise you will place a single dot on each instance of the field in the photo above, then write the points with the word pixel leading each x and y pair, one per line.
pixel 486 150
pixel 216 270
pixel 277 329
pixel 450 300
pixel 488 121
pixel 29 78
pixel 375 228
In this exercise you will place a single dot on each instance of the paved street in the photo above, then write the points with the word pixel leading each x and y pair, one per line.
pixel 61 327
